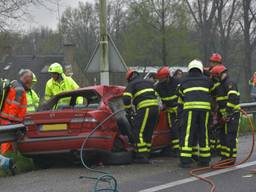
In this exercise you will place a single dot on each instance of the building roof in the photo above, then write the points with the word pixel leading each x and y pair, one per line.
pixel 11 65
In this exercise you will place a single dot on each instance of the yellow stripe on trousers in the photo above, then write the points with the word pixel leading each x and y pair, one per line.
pixel 188 128
pixel 169 120
pixel 142 128
pixel 206 129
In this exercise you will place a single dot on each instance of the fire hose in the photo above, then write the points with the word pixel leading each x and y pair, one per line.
pixel 224 163
pixel 104 177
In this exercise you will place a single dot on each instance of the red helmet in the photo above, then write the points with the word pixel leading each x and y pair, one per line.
pixel 163 72
pixel 217 70
pixel 216 58
pixel 129 73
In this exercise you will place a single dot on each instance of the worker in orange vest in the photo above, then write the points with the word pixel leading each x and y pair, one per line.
pixel 252 81
pixel 14 107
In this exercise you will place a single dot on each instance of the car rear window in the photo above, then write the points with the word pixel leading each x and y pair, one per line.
pixel 84 99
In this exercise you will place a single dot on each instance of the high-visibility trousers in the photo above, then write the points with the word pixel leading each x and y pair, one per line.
pixel 229 137
pixel 5 147
pixel 145 122
pixel 174 130
pixel 194 130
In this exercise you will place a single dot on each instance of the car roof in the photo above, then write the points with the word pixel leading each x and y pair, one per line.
pixel 102 90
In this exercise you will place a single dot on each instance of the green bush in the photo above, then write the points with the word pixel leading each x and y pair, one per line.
pixel 244 125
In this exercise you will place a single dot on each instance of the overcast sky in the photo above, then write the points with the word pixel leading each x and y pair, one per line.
pixel 48 16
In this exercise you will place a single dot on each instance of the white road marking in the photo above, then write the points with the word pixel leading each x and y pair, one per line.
pixel 191 179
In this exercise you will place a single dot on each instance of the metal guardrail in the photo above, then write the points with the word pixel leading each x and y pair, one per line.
pixel 10 133
pixel 249 107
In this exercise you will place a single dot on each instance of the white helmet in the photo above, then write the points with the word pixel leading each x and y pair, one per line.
pixel 196 64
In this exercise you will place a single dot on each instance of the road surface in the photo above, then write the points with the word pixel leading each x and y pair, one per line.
pixel 162 175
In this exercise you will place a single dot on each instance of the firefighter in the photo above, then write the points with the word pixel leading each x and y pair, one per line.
pixel 59 83
pixel 195 95
pixel 178 74
pixel 140 93
pixel 167 90
pixel 215 59
pixel 228 98
pixel 28 78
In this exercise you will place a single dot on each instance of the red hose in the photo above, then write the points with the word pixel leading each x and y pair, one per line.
pixel 225 163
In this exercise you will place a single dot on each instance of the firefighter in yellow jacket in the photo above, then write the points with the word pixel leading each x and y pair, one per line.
pixel 59 83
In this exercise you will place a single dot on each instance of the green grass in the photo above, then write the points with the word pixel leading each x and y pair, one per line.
pixel 244 125
pixel 23 164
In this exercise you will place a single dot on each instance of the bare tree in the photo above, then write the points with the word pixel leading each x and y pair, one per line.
pixel 159 16
pixel 117 16
pixel 226 19
pixel 248 25
pixel 13 10
pixel 203 13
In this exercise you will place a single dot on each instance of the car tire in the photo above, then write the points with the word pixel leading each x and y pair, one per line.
pixel 42 162
pixel 118 155
pixel 118 158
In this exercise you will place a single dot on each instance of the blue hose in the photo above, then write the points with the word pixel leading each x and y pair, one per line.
pixel 104 177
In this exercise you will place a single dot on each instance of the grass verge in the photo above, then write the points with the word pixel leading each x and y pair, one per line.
pixel 23 164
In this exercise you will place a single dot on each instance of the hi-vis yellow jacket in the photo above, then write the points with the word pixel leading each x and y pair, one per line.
pixel 32 100
pixel 53 88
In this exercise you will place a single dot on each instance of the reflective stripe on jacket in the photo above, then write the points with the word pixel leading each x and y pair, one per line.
pixel 168 93
pixel 195 91
pixel 15 103
pixel 228 97
pixel 32 100
pixel 140 93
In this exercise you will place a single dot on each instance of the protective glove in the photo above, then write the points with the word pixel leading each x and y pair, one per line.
pixel 130 114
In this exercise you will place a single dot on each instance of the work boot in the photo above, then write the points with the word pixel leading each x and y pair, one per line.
pixel 195 158
pixel 168 152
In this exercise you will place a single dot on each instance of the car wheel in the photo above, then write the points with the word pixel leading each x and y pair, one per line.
pixel 42 162
pixel 118 156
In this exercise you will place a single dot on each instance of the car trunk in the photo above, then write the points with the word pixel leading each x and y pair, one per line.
pixel 56 123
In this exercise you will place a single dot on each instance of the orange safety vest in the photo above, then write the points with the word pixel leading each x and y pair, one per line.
pixel 14 109
pixel 254 79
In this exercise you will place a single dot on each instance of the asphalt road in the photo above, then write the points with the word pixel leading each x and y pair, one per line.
pixel 162 175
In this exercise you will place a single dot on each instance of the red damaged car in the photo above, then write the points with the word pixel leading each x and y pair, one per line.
pixel 60 129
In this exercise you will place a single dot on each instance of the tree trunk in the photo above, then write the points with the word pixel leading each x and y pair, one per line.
pixel 163 29
pixel 247 48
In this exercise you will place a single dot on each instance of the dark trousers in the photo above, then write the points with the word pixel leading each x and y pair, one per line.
pixel 145 122
pixel 194 131
pixel 174 130
pixel 229 137
pixel 214 133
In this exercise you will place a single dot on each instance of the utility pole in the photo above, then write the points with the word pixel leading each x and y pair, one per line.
pixel 104 60
pixel 106 57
